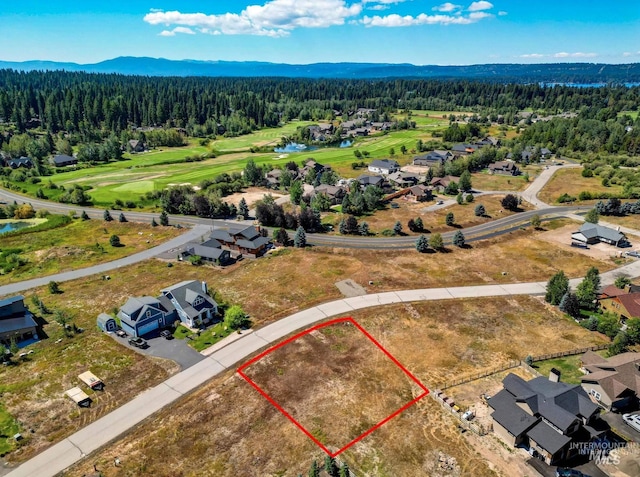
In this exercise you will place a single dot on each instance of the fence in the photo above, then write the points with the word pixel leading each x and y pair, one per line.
pixel 482 374
pixel 472 426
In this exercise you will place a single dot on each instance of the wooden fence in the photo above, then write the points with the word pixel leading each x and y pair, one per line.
pixel 472 426
pixel 480 375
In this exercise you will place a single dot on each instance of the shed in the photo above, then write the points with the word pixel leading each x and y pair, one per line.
pixel 79 396
pixel 107 322
pixel 91 380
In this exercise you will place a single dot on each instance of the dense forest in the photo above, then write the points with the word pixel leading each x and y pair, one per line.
pixel 91 104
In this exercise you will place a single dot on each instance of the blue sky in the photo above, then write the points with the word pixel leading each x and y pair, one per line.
pixel 308 31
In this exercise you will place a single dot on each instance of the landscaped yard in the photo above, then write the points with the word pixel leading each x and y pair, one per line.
pixel 569 367
pixel 570 181
pixel 205 338
pixel 436 341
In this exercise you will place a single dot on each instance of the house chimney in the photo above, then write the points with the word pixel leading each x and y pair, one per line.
pixel 204 288
pixel 554 375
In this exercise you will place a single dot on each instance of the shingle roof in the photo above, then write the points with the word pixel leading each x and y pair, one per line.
pixel 63 159
pixel 136 303
pixel 10 325
pixel 253 244
pixel 509 415
pixel 385 164
pixel 631 301
pixel 204 251
pixel 548 438
pixel 596 230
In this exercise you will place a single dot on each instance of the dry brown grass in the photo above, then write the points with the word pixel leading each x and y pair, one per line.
pixel 570 181
pixel 267 288
pixel 486 181
pixel 434 221
pixel 227 428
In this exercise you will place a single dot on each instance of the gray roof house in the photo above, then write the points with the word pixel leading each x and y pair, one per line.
pixel 384 166
pixel 594 233
pixel 439 156
pixel 367 180
pixel 62 160
pixel 25 162
pixel 209 251
pixel 16 321
pixel 544 415
pixel 334 193
pixel 143 314
pixel 506 168
pixel 193 305
pixel 403 179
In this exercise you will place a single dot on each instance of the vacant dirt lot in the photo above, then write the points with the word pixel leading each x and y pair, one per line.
pixel 570 181
pixel 342 369
pixel 228 429
pixel 251 196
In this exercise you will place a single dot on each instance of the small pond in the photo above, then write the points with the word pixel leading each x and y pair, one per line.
pixel 11 226
pixel 294 147
pixel 346 143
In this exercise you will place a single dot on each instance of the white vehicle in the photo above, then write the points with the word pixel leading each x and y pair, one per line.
pixel 633 420
pixel 467 416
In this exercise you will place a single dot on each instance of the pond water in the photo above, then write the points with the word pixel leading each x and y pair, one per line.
pixel 346 143
pixel 295 147
pixel 11 226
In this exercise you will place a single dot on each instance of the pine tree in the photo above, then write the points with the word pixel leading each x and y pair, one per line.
pixel 469 198
pixel 164 219
pixel 450 219
pixel 122 218
pixel 418 224
pixel 397 228
pixel 344 470
pixel 300 238
pixel 465 181
pixel 107 216
pixel 480 211
pixel 314 471
pixel 153 222
pixel 364 229
pixel 570 305
pixel 84 215
pixel 330 466
pixel 243 208
pixel 458 239
pixel 422 245
pixel 460 198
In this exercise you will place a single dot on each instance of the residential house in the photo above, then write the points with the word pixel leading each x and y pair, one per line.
pixel 23 161
pixel 318 168
pixel 464 149
pixel 403 179
pixel 364 112
pixel 419 193
pixel 368 180
pixel 544 416
pixel 381 126
pixel 625 303
pixel 488 141
pixel 208 251
pixel 433 158
pixel 613 383
pixel 62 160
pixel 192 303
pixel 136 145
pixel 594 233
pixel 384 166
pixel 246 241
pixel 335 193
pixel 16 321
pixel 273 178
pixel 505 168
pixel 441 183
pixel 144 314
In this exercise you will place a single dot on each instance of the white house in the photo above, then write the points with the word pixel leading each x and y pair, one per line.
pixel 384 166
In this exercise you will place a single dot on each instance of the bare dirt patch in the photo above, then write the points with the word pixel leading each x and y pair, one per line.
pixel 349 288
pixel 251 196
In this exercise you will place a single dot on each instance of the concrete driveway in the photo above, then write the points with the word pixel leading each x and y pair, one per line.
pixel 620 427
pixel 175 350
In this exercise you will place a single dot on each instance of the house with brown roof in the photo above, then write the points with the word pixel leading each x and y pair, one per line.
pixel 613 383
pixel 624 303
pixel 505 168
pixel 246 241
pixel 419 193
pixel 441 183
pixel 335 193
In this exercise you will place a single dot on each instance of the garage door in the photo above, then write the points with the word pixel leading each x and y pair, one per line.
pixel 147 328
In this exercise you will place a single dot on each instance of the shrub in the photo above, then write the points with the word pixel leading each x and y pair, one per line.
pixel 114 240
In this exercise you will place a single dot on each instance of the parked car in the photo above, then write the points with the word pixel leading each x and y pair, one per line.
pixel 166 334
pixel 633 254
pixel 121 333
pixel 565 472
pixel 394 205
pixel 440 202
pixel 467 416
pixel 633 420
pixel 138 342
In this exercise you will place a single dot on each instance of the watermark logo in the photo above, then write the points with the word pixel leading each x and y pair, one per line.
pixel 606 452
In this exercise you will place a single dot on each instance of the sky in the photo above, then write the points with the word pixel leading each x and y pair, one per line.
pixel 420 32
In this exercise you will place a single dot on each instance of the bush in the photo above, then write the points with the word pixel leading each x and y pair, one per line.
pixel 480 211
pixel 54 288
pixel 510 202
pixel 114 240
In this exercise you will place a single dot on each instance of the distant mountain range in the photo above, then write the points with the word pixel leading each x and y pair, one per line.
pixel 578 73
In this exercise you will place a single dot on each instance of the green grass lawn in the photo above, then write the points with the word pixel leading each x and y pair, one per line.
pixel 8 428
pixel 206 338
pixel 567 365
pixel 633 114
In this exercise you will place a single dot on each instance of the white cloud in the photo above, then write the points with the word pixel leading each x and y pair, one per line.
pixel 275 18
pixel 395 20
pixel 185 30
pixel 631 53
pixel 502 13
pixel 447 7
pixel 532 55
pixel 579 54
pixel 379 7
pixel 479 6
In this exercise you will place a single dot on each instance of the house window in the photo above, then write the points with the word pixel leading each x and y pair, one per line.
pixel 595 394
pixel 148 313
pixel 198 301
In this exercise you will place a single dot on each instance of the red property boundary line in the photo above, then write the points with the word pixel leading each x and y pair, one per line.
pixel 300 426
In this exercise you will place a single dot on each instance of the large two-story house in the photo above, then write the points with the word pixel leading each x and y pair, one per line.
pixel 613 383
pixel 192 303
pixel 16 321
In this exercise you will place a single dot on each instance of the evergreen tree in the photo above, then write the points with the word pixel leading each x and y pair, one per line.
pixel 300 238
pixel 587 290
pixel 243 208
pixel 122 218
pixel 330 466
pixel 450 219
pixel 344 470
pixel 114 240
pixel 510 202
pixel 458 239
pixel 480 211
pixel 164 219
pixel 342 227
pixel 54 288
pixel 557 286
pixel 314 471
pixel 460 198
pixel 397 228
pixel 422 245
pixel 364 229
pixel 469 198
pixel 153 222
pixel 84 215
pixel 418 224
pixel 570 305
pixel 281 236
pixel 107 216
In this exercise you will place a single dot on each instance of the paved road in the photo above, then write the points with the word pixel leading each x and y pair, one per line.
pixel 531 192
pixel 190 235
pixel 106 429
